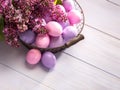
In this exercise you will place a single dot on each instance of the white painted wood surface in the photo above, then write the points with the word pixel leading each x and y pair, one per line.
pixel 92 64
pixel 102 15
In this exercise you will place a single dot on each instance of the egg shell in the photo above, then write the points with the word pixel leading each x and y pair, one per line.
pixel 48 60
pixel 56 41
pixel 54 28
pixel 65 24
pixel 27 36
pixel 42 40
pixel 33 56
pixel 69 33
pixel 74 17
pixel 68 5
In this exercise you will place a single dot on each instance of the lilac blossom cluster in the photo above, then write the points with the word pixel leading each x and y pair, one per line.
pixel 22 15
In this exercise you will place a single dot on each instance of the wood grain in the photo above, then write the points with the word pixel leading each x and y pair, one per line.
pixel 102 15
pixel 115 2
pixel 11 80
pixel 69 73
pixel 99 50
pixel 91 64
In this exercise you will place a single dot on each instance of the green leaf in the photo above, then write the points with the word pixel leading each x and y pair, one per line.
pixel 58 1
pixel 1 28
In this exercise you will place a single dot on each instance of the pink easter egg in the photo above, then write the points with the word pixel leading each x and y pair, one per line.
pixel 74 16
pixel 54 28
pixel 68 5
pixel 33 56
pixel 42 41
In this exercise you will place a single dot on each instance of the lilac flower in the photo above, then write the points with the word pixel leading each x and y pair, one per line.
pixel 11 36
pixel 3 4
pixel 21 15
pixel 58 15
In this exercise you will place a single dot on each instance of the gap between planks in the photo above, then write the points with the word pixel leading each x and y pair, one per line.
pixel 114 3
pixel 26 75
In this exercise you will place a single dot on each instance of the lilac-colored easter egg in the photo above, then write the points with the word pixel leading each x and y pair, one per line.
pixel 74 17
pixel 56 42
pixel 42 41
pixel 69 33
pixel 33 56
pixel 48 60
pixel 68 5
pixel 27 36
pixel 54 28
pixel 64 24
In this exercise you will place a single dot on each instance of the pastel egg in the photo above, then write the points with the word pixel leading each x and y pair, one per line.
pixel 48 60
pixel 64 24
pixel 68 5
pixel 54 28
pixel 27 36
pixel 56 42
pixel 74 17
pixel 69 33
pixel 33 56
pixel 42 41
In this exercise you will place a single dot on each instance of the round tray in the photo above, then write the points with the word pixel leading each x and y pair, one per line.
pixel 71 42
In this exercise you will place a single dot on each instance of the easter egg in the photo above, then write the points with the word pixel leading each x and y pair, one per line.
pixel 64 24
pixel 68 5
pixel 27 36
pixel 56 42
pixel 69 33
pixel 42 40
pixel 48 60
pixel 54 28
pixel 33 56
pixel 74 17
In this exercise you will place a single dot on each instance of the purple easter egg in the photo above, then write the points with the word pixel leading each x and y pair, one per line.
pixel 33 56
pixel 56 42
pixel 27 36
pixel 64 24
pixel 68 5
pixel 54 28
pixel 42 40
pixel 69 33
pixel 74 17
pixel 48 60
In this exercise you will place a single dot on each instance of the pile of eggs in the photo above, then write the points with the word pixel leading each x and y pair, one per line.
pixel 58 34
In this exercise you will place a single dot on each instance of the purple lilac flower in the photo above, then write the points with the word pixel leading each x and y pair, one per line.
pixel 22 15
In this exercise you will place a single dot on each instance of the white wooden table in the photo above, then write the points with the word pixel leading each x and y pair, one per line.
pixel 92 64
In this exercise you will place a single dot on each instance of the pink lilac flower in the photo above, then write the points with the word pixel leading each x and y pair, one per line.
pixel 21 15
pixel 11 36
pixel 3 4
pixel 58 15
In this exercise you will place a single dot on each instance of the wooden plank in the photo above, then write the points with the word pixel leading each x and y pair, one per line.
pixel 99 50
pixel 116 2
pixel 69 73
pixel 11 80
pixel 102 15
